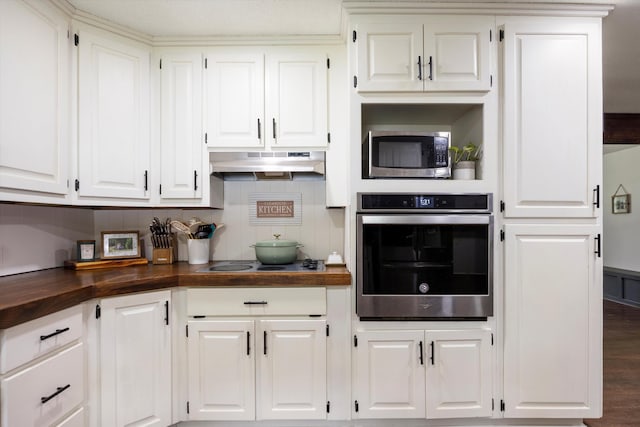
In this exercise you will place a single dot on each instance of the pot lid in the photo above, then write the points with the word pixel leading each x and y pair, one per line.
pixel 276 242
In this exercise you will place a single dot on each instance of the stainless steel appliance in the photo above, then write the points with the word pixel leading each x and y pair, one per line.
pixel 252 266
pixel 424 256
pixel 395 154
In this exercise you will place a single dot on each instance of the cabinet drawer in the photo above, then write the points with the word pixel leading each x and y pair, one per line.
pixel 58 380
pixel 256 301
pixel 74 420
pixel 30 340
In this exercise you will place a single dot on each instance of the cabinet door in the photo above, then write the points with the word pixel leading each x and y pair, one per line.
pixel 389 57
pixel 296 100
pixel 234 115
pixel 135 360
pixel 221 370
pixel 291 362
pixel 457 53
pixel 458 374
pixel 34 83
pixel 553 312
pixel 552 122
pixel 181 142
pixel 113 115
pixel 390 374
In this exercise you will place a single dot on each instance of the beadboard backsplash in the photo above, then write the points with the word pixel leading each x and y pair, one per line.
pixel 39 237
pixel 321 230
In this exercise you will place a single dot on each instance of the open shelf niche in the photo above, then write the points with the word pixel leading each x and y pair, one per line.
pixel 464 121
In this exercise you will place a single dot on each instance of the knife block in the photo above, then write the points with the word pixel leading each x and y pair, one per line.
pixel 166 255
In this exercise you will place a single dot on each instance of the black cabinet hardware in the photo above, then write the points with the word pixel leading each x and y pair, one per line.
pixel 355 36
pixel 430 68
pixel 420 349
pixel 248 343
pixel 264 342
pixel 53 334
pixel 146 180
pixel 597 240
pixel 77 185
pixel 55 393
pixel 195 180
pixel 256 302
pixel 76 40
pixel 274 127
pixel 419 68
pixel 259 129
pixel 433 354
pixel 596 196
pixel 166 312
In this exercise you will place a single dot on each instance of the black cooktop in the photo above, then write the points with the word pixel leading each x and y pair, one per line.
pixel 253 266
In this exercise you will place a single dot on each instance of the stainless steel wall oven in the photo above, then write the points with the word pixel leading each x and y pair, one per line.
pixel 424 256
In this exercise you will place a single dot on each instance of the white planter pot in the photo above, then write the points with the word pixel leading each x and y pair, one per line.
pixel 464 170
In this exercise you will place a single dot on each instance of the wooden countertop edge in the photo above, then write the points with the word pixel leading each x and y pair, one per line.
pixel 33 295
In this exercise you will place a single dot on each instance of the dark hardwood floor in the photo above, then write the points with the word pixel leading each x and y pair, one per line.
pixel 621 394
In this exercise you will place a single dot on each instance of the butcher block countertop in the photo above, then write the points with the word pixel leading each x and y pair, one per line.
pixel 27 296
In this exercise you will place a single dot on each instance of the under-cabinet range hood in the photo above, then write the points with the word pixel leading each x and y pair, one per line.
pixel 264 165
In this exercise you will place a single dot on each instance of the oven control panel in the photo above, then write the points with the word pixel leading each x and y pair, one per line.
pixel 416 202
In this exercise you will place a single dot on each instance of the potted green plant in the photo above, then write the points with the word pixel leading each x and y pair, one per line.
pixel 463 160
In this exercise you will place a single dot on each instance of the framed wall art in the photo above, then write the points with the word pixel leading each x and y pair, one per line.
pixel 120 244
pixel 621 201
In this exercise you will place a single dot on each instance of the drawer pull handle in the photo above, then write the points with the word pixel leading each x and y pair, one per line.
pixel 53 334
pixel 57 392
pixel 255 303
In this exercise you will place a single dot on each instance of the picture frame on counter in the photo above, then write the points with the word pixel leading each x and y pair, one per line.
pixel 120 244
pixel 86 250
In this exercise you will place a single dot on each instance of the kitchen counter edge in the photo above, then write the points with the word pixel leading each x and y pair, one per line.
pixel 28 296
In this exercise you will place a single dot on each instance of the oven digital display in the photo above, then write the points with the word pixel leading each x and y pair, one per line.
pixel 424 202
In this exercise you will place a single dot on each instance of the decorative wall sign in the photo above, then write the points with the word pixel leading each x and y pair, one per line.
pixel 275 208
pixel 621 201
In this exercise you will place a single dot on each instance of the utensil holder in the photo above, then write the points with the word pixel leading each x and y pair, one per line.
pixel 198 250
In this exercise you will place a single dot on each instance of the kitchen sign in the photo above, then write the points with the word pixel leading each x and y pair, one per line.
pixel 275 209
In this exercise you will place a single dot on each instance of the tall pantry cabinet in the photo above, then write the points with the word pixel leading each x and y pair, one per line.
pixel 552 130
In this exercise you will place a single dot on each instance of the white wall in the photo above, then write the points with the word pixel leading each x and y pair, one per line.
pixel 622 231
pixel 39 237
pixel 321 231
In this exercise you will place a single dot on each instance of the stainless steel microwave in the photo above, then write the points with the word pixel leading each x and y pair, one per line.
pixel 398 154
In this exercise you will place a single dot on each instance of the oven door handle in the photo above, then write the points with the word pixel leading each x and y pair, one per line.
pixel 425 219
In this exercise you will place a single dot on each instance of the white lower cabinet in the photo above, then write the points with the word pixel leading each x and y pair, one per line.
pixel 135 360
pixel 418 374
pixel 553 321
pixel 42 381
pixel 257 369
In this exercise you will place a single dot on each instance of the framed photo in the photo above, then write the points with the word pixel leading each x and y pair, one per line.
pixel 86 250
pixel 120 244
pixel 621 203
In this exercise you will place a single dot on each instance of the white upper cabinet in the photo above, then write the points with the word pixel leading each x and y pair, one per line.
pixel 181 141
pixel 553 321
pixel 113 117
pixel 266 101
pixel 435 54
pixel 552 123
pixel 235 100
pixel 296 101
pixel 34 105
